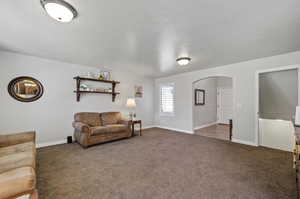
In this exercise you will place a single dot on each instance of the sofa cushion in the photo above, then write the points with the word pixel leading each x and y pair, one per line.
pixel 116 128
pixel 110 118
pixel 99 130
pixel 17 160
pixel 24 147
pixel 91 119
pixel 16 181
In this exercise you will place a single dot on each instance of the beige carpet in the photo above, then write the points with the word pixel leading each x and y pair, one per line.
pixel 165 165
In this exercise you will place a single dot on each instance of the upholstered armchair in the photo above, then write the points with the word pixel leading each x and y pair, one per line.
pixel 17 165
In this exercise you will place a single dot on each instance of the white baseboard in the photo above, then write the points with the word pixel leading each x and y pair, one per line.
pixel 243 142
pixel 205 125
pixel 148 127
pixel 174 129
pixel 44 144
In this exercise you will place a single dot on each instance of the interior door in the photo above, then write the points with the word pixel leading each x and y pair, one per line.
pixel 225 105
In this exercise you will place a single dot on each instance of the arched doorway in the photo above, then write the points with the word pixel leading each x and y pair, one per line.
pixel 213 107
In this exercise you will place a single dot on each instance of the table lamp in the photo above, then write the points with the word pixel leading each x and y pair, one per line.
pixel 131 104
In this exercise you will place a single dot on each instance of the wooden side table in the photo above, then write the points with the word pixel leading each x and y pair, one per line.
pixel 133 122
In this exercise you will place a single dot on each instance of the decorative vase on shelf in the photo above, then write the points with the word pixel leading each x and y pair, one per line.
pixel 83 87
pixel 101 77
pixel 106 75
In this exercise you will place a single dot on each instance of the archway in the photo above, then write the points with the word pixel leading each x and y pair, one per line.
pixel 213 107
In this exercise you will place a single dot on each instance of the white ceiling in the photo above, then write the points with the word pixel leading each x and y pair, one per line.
pixel 146 36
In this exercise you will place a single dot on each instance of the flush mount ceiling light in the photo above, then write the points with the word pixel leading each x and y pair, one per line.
pixel 59 10
pixel 183 61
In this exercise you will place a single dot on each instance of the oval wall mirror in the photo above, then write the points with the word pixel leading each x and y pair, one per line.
pixel 25 89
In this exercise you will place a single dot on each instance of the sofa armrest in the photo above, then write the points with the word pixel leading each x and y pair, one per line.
pixel 17 138
pixel 82 127
pixel 125 122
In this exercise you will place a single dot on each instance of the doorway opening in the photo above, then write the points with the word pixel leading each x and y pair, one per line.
pixel 213 107
pixel 277 93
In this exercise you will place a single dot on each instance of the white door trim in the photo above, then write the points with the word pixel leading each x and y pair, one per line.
pixel 219 100
pixel 218 106
pixel 256 94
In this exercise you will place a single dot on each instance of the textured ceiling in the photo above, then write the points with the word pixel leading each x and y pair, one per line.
pixel 146 37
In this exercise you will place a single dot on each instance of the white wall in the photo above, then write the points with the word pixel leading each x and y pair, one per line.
pixel 243 88
pixel 206 114
pixel 224 82
pixel 52 115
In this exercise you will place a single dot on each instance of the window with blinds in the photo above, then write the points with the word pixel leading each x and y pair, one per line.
pixel 167 99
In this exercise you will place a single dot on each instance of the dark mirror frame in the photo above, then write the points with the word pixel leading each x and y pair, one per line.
pixel 199 102
pixel 12 93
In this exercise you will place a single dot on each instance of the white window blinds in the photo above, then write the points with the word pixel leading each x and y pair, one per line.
pixel 167 99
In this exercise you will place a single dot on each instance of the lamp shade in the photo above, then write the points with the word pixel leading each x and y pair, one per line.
pixel 131 103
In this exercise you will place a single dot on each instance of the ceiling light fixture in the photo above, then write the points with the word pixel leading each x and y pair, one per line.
pixel 59 10
pixel 183 61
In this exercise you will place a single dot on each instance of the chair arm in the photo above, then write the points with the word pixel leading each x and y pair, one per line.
pixel 17 182
pixel 82 127
pixel 34 195
pixel 17 138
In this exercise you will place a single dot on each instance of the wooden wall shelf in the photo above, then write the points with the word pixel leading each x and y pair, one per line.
pixel 79 92
pixel 96 80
